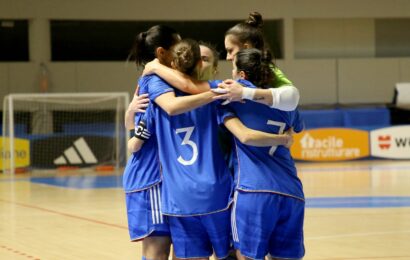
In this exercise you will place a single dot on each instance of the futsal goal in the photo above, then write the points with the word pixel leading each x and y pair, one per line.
pixel 49 131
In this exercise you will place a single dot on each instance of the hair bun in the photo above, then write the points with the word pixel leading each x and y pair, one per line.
pixel 255 20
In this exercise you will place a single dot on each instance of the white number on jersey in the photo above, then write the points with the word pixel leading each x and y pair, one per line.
pixel 186 141
pixel 281 126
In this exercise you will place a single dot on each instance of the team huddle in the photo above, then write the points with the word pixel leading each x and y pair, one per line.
pixel 207 173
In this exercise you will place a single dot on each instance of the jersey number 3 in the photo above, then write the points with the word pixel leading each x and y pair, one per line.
pixel 186 141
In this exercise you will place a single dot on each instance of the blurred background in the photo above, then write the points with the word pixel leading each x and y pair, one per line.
pixel 335 52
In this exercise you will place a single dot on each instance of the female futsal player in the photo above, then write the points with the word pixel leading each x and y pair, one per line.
pixel 142 178
pixel 268 211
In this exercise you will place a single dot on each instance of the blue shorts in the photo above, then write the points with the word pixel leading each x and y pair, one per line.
pixel 265 223
pixel 199 236
pixel 144 214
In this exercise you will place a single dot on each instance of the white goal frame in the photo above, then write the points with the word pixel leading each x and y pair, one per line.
pixel 8 105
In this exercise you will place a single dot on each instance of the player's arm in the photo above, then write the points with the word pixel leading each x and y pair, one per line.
pixel 177 105
pixel 253 137
pixel 137 105
pixel 284 98
pixel 138 137
pixel 175 78
pixel 134 144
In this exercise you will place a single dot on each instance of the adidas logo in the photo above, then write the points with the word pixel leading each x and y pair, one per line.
pixel 79 153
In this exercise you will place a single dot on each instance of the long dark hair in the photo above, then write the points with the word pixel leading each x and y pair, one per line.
pixel 145 43
pixel 257 65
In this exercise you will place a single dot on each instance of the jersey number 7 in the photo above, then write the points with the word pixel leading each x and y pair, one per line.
pixel 281 126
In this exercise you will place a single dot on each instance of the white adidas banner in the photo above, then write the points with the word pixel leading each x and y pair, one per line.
pixel 55 151
pixel 391 142
pixel 78 153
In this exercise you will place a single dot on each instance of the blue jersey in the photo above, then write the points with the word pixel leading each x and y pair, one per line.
pixel 196 178
pixel 143 168
pixel 265 169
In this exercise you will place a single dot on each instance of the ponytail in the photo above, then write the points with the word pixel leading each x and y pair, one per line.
pixel 146 43
pixel 139 53
pixel 257 65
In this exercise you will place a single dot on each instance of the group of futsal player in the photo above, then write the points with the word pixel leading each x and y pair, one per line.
pixel 180 185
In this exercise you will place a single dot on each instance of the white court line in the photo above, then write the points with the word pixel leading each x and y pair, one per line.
pixel 357 235
pixel 360 168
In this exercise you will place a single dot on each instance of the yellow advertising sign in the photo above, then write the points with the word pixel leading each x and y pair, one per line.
pixel 21 153
pixel 330 144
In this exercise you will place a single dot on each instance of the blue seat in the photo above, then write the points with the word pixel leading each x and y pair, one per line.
pixel 19 129
pixel 366 117
pixel 322 118
pixel 105 129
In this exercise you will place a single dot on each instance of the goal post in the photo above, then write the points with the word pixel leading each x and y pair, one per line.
pixel 58 130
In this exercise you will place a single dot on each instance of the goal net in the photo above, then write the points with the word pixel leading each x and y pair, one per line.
pixel 49 131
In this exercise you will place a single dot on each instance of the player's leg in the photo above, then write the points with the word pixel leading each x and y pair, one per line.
pixel 239 256
pixel 156 247
pixel 189 238
pixel 253 220
pixel 218 228
pixel 286 241
pixel 147 224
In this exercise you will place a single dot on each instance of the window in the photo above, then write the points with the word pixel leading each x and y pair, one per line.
pixel 112 40
pixel 393 37
pixel 14 40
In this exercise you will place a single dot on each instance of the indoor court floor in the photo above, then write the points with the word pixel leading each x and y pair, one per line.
pixel 354 211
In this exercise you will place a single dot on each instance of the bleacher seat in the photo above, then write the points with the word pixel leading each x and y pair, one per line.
pixel 362 118
pixel 104 129
pixel 367 118
pixel 322 118
pixel 19 130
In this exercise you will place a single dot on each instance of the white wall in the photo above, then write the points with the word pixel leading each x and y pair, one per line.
pixel 362 79
pixel 338 38
pixel 315 79
pixel 369 80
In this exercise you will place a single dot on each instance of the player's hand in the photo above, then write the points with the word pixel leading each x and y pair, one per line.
pixel 289 137
pixel 138 103
pixel 151 67
pixel 233 91
pixel 219 90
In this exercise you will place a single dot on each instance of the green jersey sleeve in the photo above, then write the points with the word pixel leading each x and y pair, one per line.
pixel 281 79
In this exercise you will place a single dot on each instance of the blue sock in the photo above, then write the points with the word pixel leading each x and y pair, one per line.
pixel 143 258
